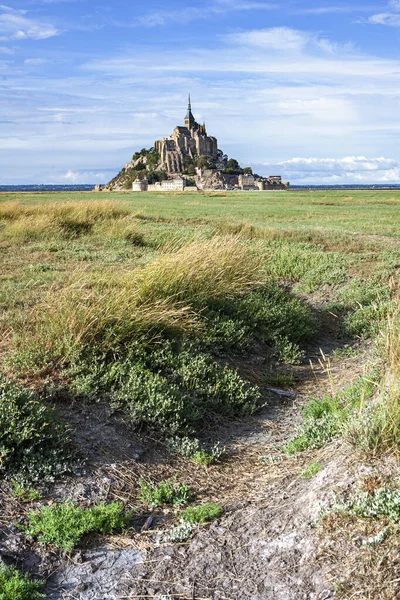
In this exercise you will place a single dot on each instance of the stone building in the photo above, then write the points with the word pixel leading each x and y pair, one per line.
pixel 187 141
pixel 249 183
pixel 177 184
pixel 140 185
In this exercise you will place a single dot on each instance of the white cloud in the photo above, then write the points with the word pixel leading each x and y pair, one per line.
pixel 71 176
pixel 391 19
pixel 350 169
pixel 35 61
pixel 161 17
pixel 286 39
pixel 275 38
pixel 75 177
pixel 14 25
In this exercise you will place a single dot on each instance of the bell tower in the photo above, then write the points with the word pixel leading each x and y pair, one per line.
pixel 189 119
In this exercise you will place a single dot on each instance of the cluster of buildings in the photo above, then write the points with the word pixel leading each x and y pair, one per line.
pixel 177 184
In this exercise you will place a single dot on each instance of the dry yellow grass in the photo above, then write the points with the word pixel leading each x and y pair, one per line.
pixel 92 311
pixel 26 223
pixel 220 267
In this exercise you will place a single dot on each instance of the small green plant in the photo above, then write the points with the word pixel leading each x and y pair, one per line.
pixel 268 314
pixel 277 379
pixel 65 524
pixel 344 352
pixel 192 448
pixel 17 586
pixel 25 494
pixel 314 434
pixel 201 514
pixel 166 492
pixel 310 470
pixel 180 533
pixel 328 417
pixel 381 504
pixel 34 447
pixel 174 387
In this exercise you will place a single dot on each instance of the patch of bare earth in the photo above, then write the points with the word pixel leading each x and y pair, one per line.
pixel 264 546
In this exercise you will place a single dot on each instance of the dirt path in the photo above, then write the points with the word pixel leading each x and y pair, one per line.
pixel 262 548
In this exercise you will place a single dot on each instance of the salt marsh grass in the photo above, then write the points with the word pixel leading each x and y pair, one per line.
pixel 108 312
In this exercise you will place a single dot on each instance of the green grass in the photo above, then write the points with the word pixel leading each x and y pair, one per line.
pixel 65 524
pixel 192 448
pixel 203 513
pixel 24 494
pixel 165 492
pixel 139 298
pixel 17 586
pixel 328 417
pixel 310 470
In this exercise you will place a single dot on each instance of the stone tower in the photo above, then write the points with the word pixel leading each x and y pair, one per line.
pixel 189 119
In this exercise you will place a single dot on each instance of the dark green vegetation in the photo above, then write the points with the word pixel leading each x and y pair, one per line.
pixel 16 586
pixel 34 447
pixel 132 298
pixel 65 524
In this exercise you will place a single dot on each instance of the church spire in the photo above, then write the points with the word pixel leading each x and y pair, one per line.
pixel 189 119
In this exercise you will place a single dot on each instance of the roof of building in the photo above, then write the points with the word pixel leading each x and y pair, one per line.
pixel 189 114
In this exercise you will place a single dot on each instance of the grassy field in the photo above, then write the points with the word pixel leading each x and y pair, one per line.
pixel 309 240
pixel 160 305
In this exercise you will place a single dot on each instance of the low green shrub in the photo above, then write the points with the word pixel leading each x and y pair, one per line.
pixel 201 514
pixel 314 434
pixel 328 417
pixel 193 449
pixel 180 533
pixel 34 447
pixel 25 494
pixel 65 524
pixel 382 503
pixel 17 586
pixel 269 314
pixel 175 387
pixel 165 492
pixel 363 305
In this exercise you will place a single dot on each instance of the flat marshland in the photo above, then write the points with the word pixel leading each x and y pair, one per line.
pixel 206 352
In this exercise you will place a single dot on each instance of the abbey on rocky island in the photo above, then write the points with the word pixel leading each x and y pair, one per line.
pixel 188 159
pixel 189 141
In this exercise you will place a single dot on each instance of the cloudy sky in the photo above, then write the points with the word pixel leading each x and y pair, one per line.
pixel 310 91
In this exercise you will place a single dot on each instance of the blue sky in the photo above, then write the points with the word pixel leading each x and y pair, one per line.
pixel 309 91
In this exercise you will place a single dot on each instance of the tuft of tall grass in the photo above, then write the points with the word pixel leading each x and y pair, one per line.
pixel 108 314
pixel 221 267
pixel 376 429
pixel 85 316
pixel 25 223
pixel 95 210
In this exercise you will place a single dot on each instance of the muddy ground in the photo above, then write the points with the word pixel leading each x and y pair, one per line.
pixel 265 546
